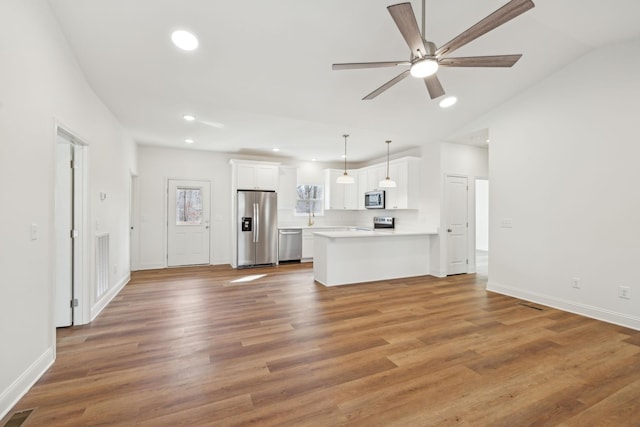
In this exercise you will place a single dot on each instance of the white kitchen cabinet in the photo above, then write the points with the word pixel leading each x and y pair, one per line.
pixel 362 187
pixel 307 245
pixel 287 183
pixel 340 196
pixel 254 175
pixel 375 174
pixel 406 173
pixel 307 240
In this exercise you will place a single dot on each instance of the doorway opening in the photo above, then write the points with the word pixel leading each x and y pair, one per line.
pixel 482 226
pixel 70 213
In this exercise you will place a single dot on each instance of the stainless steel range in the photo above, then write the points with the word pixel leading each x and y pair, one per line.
pixel 384 222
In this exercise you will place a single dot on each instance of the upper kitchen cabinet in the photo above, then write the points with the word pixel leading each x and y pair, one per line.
pixel 287 183
pixel 340 196
pixel 406 173
pixel 250 175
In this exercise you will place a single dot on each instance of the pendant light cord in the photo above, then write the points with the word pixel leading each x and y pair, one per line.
pixel 388 143
pixel 345 153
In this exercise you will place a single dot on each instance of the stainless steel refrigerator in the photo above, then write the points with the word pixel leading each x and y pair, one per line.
pixel 257 228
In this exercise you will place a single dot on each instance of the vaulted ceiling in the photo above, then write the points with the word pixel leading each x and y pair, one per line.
pixel 262 78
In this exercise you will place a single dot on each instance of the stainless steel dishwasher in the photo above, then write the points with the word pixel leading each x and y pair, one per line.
pixel 289 244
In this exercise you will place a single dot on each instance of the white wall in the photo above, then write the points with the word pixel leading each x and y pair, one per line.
pixel 40 85
pixel 564 168
pixel 482 214
pixel 156 166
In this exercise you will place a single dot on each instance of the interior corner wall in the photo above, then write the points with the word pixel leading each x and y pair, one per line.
pixel 157 165
pixel 42 85
pixel 564 170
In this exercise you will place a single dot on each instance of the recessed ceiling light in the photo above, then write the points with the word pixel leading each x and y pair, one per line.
pixel 448 101
pixel 313 160
pixel 487 140
pixel 189 117
pixel 189 141
pixel 184 40
pixel 276 149
pixel 344 156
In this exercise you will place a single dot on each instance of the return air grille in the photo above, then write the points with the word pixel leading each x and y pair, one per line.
pixel 102 264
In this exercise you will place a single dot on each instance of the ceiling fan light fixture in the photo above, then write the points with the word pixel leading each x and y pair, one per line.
pixel 424 68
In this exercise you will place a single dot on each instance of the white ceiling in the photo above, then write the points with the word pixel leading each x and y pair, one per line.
pixel 263 68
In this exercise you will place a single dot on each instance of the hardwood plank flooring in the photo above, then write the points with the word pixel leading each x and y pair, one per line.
pixel 193 346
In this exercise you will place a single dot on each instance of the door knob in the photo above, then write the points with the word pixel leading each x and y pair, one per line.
pixel 449 230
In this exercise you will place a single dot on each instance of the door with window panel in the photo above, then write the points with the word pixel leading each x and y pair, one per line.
pixel 188 228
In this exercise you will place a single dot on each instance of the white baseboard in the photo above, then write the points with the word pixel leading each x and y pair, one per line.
pixel 598 313
pixel 151 267
pixel 106 299
pixel 437 273
pixel 11 396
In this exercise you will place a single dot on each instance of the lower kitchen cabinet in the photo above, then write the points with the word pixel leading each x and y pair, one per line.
pixel 307 240
pixel 307 245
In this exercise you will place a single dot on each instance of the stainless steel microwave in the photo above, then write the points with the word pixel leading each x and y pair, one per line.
pixel 374 199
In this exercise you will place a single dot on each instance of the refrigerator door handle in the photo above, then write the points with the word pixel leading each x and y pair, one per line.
pixel 256 222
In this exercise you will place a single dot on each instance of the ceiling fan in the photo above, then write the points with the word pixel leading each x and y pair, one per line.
pixel 426 58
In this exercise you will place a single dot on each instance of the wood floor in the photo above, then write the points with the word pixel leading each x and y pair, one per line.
pixel 192 347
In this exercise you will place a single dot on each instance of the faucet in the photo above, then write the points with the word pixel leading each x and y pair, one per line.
pixel 311 214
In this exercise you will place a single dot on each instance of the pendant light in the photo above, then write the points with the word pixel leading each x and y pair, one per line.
pixel 345 178
pixel 387 182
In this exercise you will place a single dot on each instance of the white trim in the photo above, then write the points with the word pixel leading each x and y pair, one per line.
pixel 106 298
pixel 608 316
pixel 219 261
pixel 20 387
pixel 81 282
pixel 155 266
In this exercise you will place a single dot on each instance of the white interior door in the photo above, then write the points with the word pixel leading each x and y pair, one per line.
pixel 63 311
pixel 188 222
pixel 457 189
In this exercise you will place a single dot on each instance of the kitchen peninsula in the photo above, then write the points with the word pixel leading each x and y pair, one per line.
pixel 347 257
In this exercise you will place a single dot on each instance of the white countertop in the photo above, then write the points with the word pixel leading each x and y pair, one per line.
pixel 318 227
pixel 376 233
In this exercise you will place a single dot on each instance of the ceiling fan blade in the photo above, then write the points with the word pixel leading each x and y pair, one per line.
pixel 355 65
pixel 504 14
pixel 481 61
pixel 404 18
pixel 387 85
pixel 434 86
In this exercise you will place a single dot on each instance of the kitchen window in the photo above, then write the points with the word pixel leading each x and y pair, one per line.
pixel 310 200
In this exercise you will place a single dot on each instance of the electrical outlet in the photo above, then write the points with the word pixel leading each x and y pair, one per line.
pixel 506 223
pixel 575 282
pixel 624 292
